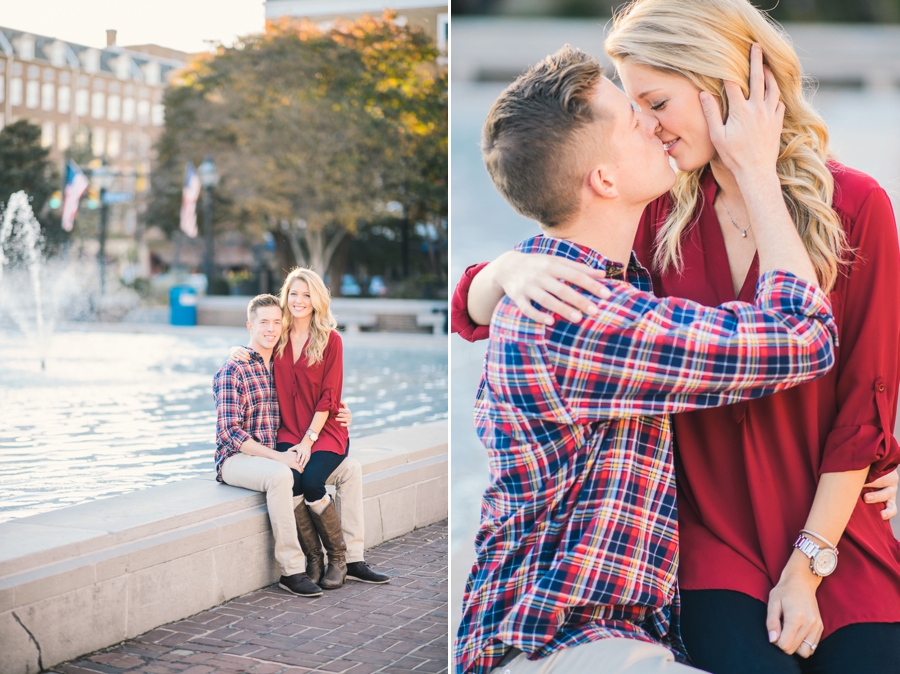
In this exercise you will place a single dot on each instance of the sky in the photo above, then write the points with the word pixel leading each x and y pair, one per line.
pixel 178 24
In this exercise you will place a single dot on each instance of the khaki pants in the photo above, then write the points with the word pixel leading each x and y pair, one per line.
pixel 347 480
pixel 261 474
pixel 274 478
pixel 607 656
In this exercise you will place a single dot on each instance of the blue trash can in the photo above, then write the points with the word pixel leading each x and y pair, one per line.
pixel 183 302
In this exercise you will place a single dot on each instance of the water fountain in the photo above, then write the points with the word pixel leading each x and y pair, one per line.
pixel 20 246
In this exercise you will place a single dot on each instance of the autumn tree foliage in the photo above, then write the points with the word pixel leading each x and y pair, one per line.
pixel 313 131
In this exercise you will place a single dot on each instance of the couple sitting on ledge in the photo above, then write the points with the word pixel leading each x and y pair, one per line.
pixel 577 555
pixel 281 429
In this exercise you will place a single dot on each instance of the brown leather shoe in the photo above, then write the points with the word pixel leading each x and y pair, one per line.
pixel 328 524
pixel 309 543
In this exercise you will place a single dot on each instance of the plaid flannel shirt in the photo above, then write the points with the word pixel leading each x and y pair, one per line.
pixel 246 406
pixel 578 536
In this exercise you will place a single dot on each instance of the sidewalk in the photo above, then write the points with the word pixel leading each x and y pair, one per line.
pixel 360 629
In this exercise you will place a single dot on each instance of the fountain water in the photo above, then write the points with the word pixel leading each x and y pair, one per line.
pixel 20 246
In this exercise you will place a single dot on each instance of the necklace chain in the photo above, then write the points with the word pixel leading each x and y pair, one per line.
pixel 736 226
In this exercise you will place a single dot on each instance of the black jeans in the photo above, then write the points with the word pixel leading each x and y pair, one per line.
pixel 311 482
pixel 725 633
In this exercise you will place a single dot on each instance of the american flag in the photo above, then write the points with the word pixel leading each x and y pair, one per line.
pixel 189 196
pixel 76 185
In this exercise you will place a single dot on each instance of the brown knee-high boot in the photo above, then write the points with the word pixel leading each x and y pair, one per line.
pixel 328 524
pixel 309 543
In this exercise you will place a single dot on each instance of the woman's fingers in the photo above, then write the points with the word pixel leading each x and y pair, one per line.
pixel 773 93
pixel 810 641
pixel 773 619
pixel 885 492
pixel 757 76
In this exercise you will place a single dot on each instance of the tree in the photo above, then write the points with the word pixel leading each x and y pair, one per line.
pixel 312 131
pixel 25 165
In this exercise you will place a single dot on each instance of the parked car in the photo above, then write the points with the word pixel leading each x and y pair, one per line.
pixel 349 286
pixel 377 287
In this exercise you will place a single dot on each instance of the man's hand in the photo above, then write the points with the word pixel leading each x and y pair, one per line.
pixel 344 416
pixel 793 620
pixel 886 492
pixel 290 459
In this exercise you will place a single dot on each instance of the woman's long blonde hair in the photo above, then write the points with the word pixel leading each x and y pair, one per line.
pixel 708 41
pixel 322 320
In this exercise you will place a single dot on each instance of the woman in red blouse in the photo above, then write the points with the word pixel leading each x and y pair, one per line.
pixel 309 376
pixel 767 484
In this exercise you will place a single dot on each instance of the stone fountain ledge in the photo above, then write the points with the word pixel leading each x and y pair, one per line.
pixel 88 576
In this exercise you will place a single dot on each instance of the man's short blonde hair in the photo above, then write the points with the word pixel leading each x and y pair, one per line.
pixel 534 143
pixel 261 301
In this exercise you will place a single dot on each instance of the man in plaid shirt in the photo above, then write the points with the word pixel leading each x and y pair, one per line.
pixel 577 548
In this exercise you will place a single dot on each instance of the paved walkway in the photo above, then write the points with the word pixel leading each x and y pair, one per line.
pixel 359 629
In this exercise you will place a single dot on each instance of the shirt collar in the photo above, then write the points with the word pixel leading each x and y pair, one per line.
pixel 570 250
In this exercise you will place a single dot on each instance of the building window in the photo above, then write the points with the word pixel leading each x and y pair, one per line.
pixel 47 134
pixel 17 69
pixel 64 77
pixel 64 99
pixel 114 143
pixel 143 110
pixel 128 110
pixel 15 91
pixel 48 96
pixel 82 102
pixel 32 94
pixel 62 137
pixel 97 105
pixel 84 81
pixel 113 108
pixel 98 138
pixel 99 84
pixel 2 66
pixel 49 75
pixel 90 59
pixel 33 72
pixel 2 87
pixel 159 114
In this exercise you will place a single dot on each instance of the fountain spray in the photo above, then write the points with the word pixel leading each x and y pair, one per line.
pixel 21 242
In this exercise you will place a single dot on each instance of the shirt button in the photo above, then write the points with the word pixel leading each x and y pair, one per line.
pixel 881 387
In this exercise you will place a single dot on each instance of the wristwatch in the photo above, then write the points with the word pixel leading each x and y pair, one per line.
pixel 822 561
pixel 312 434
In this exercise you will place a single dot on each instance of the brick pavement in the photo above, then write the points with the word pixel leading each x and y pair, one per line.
pixel 358 629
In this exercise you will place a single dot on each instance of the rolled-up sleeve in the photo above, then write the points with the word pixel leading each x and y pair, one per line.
pixel 868 362
pixel 460 321
pixel 332 376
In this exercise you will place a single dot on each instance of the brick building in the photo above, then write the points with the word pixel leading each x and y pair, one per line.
pixel 108 100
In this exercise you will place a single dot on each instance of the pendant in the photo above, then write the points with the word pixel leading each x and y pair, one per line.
pixel 744 234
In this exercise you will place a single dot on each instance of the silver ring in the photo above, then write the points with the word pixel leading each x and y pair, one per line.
pixel 812 646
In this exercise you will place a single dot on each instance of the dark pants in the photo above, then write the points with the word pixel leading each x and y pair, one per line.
pixel 311 482
pixel 725 633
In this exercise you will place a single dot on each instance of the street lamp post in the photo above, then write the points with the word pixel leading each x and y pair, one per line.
pixel 102 180
pixel 209 179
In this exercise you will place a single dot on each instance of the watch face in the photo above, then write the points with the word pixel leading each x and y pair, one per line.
pixel 825 562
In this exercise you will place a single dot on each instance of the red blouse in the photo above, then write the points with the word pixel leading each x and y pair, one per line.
pixel 747 473
pixel 304 390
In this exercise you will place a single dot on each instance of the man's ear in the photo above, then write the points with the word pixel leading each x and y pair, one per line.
pixel 250 326
pixel 602 182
